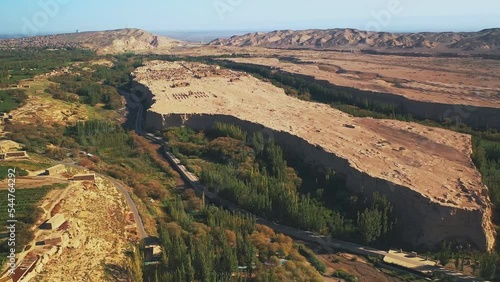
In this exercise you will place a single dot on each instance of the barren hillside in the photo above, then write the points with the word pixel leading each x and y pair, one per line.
pixel 486 41
pixel 427 172
pixel 104 42
pixel 472 82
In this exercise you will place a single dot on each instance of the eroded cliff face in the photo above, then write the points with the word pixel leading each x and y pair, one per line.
pixel 472 104
pixel 425 172
pixel 421 221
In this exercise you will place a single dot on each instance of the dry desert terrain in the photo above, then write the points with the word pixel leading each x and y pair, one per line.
pixel 426 172
pixel 435 162
pixel 456 81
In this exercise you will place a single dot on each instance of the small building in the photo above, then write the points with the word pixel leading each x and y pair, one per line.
pixel 152 251
pixel 55 222
pixel 25 267
pixel 50 242
pixel 84 177
pixel 55 170
pixel 152 254
pixel 16 155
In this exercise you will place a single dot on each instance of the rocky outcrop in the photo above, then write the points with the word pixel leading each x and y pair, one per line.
pixel 421 221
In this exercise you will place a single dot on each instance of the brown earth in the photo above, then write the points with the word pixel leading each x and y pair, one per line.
pixel 455 81
pixel 434 163
pixel 389 149
pixel 461 81
pixel 354 265
pixel 92 249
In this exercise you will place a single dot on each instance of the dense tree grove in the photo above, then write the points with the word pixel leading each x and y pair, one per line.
pixel 88 91
pixel 487 158
pixel 37 136
pixel 253 173
pixel 11 99
pixel 199 242
pixel 210 244
pixel 98 84
pixel 118 75
pixel 18 64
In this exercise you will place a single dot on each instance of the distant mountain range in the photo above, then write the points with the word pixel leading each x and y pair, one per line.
pixel 110 41
pixel 485 41
pixel 135 40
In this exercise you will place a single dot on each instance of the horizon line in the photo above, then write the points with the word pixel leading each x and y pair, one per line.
pixel 240 30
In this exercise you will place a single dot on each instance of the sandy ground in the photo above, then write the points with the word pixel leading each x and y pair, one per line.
pixel 33 182
pixel 432 161
pixel 9 146
pixel 95 242
pixel 468 81
pixel 413 81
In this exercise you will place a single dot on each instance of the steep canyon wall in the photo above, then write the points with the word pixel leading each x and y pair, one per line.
pixel 421 221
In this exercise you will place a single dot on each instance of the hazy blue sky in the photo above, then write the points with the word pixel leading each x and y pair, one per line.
pixel 45 16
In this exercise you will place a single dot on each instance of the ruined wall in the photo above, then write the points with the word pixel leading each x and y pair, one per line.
pixel 421 222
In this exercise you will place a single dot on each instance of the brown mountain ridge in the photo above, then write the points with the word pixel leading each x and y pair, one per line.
pixel 104 42
pixel 485 41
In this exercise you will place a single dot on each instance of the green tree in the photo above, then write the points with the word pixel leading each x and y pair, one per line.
pixel 135 262
pixel 488 265
pixel 445 253
pixel 370 225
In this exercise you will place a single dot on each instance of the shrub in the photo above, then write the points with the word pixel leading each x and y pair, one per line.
pixel 344 275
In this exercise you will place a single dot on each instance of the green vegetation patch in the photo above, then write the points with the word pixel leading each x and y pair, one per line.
pixel 11 99
pixel 26 211
pixel 252 172
pixel 19 64
pixel 345 275
pixel 4 171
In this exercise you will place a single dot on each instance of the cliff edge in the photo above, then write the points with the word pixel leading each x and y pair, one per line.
pixel 426 173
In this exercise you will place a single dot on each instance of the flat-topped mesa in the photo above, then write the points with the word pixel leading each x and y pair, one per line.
pixel 426 173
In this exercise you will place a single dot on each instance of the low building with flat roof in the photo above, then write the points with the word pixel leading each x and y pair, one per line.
pixel 17 154
pixel 84 177
pixel 55 222
pixel 55 169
